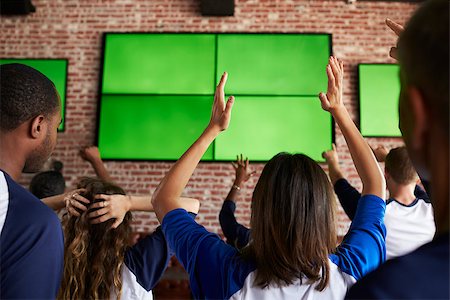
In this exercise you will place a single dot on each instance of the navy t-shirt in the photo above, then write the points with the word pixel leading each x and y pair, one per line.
pixel 31 245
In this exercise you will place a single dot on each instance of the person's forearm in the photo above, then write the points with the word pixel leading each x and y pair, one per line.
pixel 234 191
pixel 362 155
pixel 100 170
pixel 335 172
pixel 166 196
pixel 55 202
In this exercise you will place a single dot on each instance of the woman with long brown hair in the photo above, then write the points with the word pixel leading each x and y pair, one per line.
pixel 292 253
pixel 99 263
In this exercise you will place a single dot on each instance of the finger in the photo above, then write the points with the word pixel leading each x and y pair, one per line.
pixel 252 173
pixel 80 198
pixel 75 203
pixel 229 106
pixel 333 146
pixel 73 212
pixel 241 160
pixel 246 163
pixel 331 79
pixel 116 223
pixel 235 166
pixel 395 27
pixel 220 94
pixel 324 101
pixel 102 197
pixel 101 219
pixel 99 204
pixel 393 53
pixel 98 212
pixel 335 70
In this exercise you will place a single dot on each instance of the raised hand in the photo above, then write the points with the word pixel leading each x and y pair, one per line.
pixel 90 154
pixel 242 170
pixel 331 156
pixel 221 111
pixel 398 29
pixel 109 207
pixel 380 153
pixel 332 100
pixel 75 202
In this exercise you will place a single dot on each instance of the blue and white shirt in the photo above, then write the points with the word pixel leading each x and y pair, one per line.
pixel 408 226
pixel 144 266
pixel 31 244
pixel 217 271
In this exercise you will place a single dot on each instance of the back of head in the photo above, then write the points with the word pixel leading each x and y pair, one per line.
pixel 93 253
pixel 25 94
pixel 400 167
pixel 293 225
pixel 423 50
pixel 48 183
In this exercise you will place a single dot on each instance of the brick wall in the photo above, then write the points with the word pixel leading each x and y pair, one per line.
pixel 72 29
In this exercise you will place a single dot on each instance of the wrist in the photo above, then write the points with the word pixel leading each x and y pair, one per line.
pixel 236 187
pixel 129 203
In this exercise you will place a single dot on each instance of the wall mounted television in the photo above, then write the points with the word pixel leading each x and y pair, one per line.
pixel 156 91
pixel 379 91
pixel 55 70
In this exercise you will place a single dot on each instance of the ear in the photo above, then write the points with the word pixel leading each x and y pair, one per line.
pixel 37 127
pixel 421 117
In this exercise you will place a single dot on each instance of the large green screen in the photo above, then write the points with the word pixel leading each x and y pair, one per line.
pixel 379 90
pixel 152 127
pixel 289 124
pixel 55 70
pixel 159 63
pixel 283 64
pixel 157 90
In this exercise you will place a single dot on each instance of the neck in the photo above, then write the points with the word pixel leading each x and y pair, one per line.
pixel 438 163
pixel 403 193
pixel 11 155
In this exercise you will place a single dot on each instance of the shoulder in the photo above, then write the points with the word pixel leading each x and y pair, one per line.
pixel 25 210
pixel 425 271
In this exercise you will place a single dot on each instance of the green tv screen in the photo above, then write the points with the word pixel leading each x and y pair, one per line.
pixel 55 70
pixel 379 90
pixel 157 90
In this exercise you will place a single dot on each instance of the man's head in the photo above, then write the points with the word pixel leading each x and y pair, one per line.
pixel 30 112
pixel 399 168
pixel 423 53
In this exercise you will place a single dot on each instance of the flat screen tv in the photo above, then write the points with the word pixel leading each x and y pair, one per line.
pixel 157 90
pixel 379 90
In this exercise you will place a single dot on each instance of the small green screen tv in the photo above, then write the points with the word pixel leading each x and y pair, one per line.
pixel 55 70
pixel 379 91
pixel 157 90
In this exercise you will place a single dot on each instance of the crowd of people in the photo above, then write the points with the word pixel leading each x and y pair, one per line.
pixel 395 248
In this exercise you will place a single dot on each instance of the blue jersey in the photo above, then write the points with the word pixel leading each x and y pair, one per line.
pixel 31 245
pixel 218 271
pixel 145 264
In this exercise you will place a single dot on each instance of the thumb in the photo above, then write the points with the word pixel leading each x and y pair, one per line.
pixel 324 100
pixel 116 223
pixel 229 105
pixel 334 146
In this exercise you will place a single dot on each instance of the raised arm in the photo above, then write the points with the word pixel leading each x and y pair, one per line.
pixel 167 196
pixel 236 234
pixel 332 159
pixel 348 196
pixel 362 155
pixel 92 156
